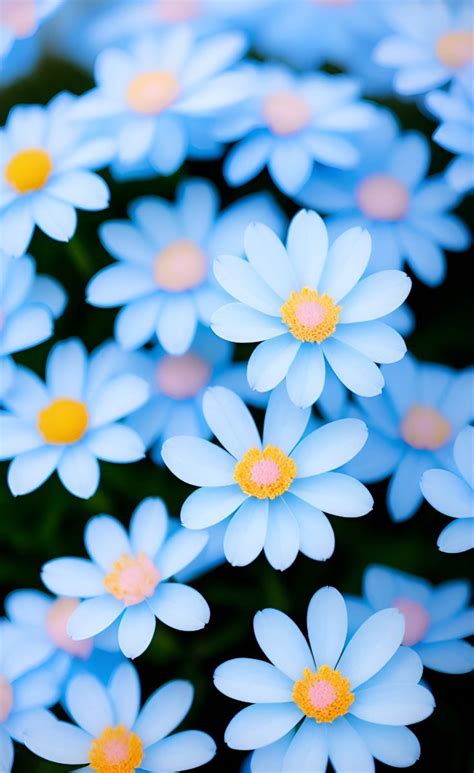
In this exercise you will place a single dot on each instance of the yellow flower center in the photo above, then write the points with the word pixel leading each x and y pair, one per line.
pixel 29 170
pixel 310 316
pixel 285 112
pixel 132 579
pixel 265 474
pixel 152 92
pixel 180 266
pixel 116 750
pixel 455 49
pixel 323 695
pixel 424 428
pixel 63 421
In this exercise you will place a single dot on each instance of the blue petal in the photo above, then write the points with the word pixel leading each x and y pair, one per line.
pixel 182 751
pixel 356 371
pixel 177 323
pixel 306 376
pixel 449 657
pixel 329 447
pixel 79 472
pixel 198 462
pixel 230 421
pixel 136 629
pixel 106 540
pixel 164 710
pixel 180 606
pixel 124 693
pixel 395 746
pixel 396 704
pixel 346 262
pixel 245 534
pixel 347 750
pixel 316 534
pixel 372 646
pixel 283 643
pixel 242 324
pixel 179 550
pixel 334 493
pixel 72 577
pixel 208 506
pixel 457 537
pixel 148 526
pixel 88 703
pixel 282 541
pixel 327 626
pixel 404 494
pixel 93 616
pixel 308 751
pixel 259 725
pixel 307 246
pixel 253 681
pixel 270 362
pixel 284 423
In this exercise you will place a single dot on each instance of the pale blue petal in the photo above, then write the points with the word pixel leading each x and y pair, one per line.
pixel 116 443
pixel 136 629
pixel 208 506
pixel 457 537
pixel 332 150
pixel 177 322
pixel 372 646
pixel 82 189
pixel 261 724
pixel 117 398
pixel 282 642
pixel 448 599
pixel 308 751
pixel 6 750
pixel 270 362
pixel 182 751
pixel 334 493
pixel 245 534
pixel 17 436
pixel 404 493
pixel 56 219
pixel 269 258
pixel 253 681
pixel 124 241
pixel 327 626
pixel 179 550
pixel 356 371
pixel 28 607
pixel 230 421
pixel 198 203
pixel 405 667
pixel 347 260
pixel 17 225
pixel 72 577
pixel 269 757
pixel 447 230
pixel 347 751
pixel 246 159
pixel 284 423
pixel 242 324
pixel 148 526
pixel 329 447
pixel 93 616
pixel 106 540
pixel 241 281
pixel 395 746
pixel 395 704
pixel 316 534
pixel 426 259
pixel 28 471
pixel 409 159
pixel 463 454
pixel 66 369
pixel 78 471
pixel 375 296
pixel 170 145
pixel 377 460
pixel 375 340
pixel 88 703
pixel 449 657
pixel 163 711
pixel 198 462
pixel 180 606
pixel 290 165
pixel 282 541
pixel 457 627
pixel 307 246
pixel 124 693
pixel 306 376
pixel 26 327
pixel 119 284
pixel 448 493
pixel 58 741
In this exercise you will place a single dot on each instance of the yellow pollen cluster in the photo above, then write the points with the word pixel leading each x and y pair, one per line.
pixel 310 316
pixel 29 170
pixel 132 578
pixel 116 750
pixel 63 421
pixel 324 695
pixel 265 474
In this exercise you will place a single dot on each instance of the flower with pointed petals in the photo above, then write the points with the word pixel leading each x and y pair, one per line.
pixel 273 491
pixel 346 700
pixel 128 576
pixel 70 422
pixel 112 734
pixel 309 305
pixel 452 493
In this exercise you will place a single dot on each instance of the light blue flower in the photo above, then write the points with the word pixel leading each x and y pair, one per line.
pixel 70 422
pixel 430 44
pixel 437 619
pixel 19 23
pixel 452 494
pixel 129 576
pixel 291 121
pixel 411 428
pixel 308 304
pixel 346 700
pixel 406 214
pixel 273 492
pixel 163 277
pixel 111 730
pixel 45 173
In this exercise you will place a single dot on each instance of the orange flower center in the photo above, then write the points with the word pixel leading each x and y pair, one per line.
pixel 455 49
pixel 152 92
pixel 180 266
pixel 132 579
pixel 323 695
pixel 265 474
pixel 285 112
pixel 29 170
pixel 116 750
pixel 63 421
pixel 424 428
pixel 310 316
pixel 382 197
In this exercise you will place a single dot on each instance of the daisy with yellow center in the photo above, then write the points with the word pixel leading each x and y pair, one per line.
pixel 265 474
pixel 323 695
pixel 132 579
pixel 116 750
pixel 63 422
pixel 29 170
pixel 310 317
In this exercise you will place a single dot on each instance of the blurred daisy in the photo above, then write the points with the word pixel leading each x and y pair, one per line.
pixel 273 492
pixel 406 213
pixel 19 22
pixel 430 44
pixel 70 422
pixel 112 734
pixel 309 305
pixel 411 428
pixel 163 277
pixel 437 619
pixel 290 122
pixel 452 494
pixel 45 173
pixel 129 576
pixel 337 700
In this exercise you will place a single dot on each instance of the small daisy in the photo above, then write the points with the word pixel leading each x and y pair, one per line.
pixel 452 493
pixel 337 699
pixel 112 735
pixel 163 276
pixel 69 422
pixel 273 492
pixel 129 576
pixel 437 619
pixel 310 306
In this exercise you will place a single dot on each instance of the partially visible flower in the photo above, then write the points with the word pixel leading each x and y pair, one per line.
pixel 69 422
pixel 335 699
pixel 453 494
pixel 111 733
pixel 19 23
pixel 129 576
pixel 437 619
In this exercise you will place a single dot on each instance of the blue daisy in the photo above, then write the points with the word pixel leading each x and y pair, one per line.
pixel 338 698
pixel 406 213
pixel 45 173
pixel 19 23
pixel 290 122
pixel 70 422
pixel 411 429
pixel 128 577
pixel 437 619
pixel 451 492
pixel 163 278
pixel 309 305
pixel 111 733
pixel 273 492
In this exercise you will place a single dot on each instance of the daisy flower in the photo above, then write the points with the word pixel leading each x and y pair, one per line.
pixel 128 576
pixel 406 213
pixel 291 121
pixel 19 22
pixel 337 699
pixel 111 733
pixel 70 422
pixel 45 173
pixel 163 276
pixel 308 304
pixel 451 492
pixel 437 619
pixel 411 428
pixel 273 491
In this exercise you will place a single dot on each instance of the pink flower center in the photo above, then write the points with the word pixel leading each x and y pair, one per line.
pixel 6 698
pixel 322 694
pixel 180 266
pixel 149 93
pixel 56 627
pixel 424 428
pixel 19 16
pixel 455 49
pixel 335 3
pixel 265 472
pixel 175 11
pixel 132 579
pixel 310 313
pixel 285 112
pixel 382 197
pixel 417 620
pixel 182 377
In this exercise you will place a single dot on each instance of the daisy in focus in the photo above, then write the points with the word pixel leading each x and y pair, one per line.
pixel 452 493
pixel 437 619
pixel 112 734
pixel 45 173
pixel 129 577
pixel 273 491
pixel 69 422
pixel 310 306
pixel 346 700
